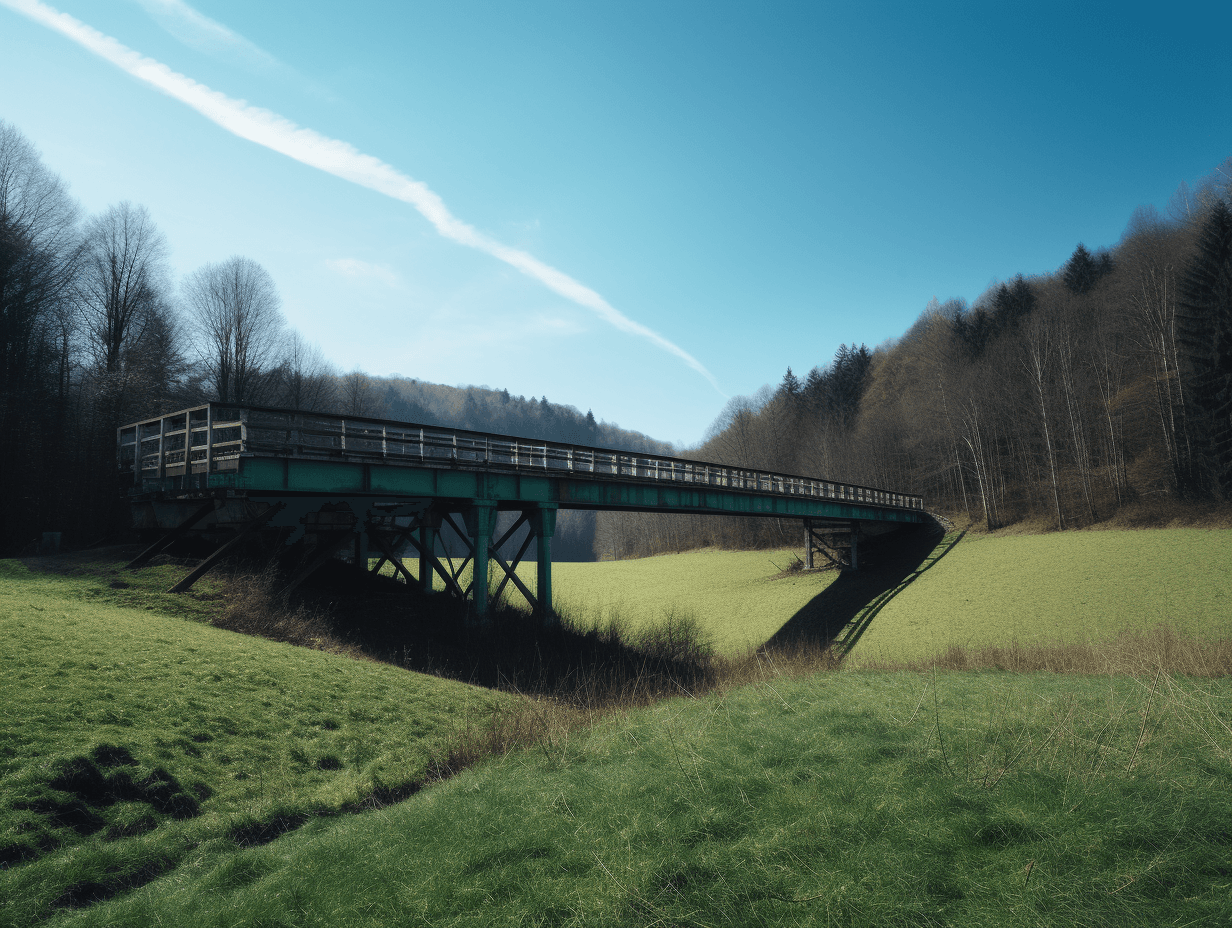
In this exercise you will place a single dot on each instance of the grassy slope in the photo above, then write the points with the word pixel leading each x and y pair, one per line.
pixel 1060 587
pixel 846 799
pixel 216 730
pixel 733 592
pixel 853 798
pixel 1036 588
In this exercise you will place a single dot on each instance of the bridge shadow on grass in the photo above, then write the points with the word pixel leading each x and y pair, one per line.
pixel 380 619
pixel 841 614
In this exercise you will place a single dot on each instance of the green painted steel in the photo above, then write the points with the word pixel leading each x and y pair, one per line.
pixel 253 448
pixel 514 491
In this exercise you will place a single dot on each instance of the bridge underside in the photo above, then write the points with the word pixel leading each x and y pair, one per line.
pixel 327 485
pixel 372 510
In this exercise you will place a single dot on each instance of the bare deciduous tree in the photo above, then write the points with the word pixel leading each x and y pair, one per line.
pixel 123 280
pixel 236 312
pixel 359 395
pixel 38 256
pixel 306 378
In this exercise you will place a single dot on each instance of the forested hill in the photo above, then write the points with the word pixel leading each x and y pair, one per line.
pixel 1064 398
pixel 483 409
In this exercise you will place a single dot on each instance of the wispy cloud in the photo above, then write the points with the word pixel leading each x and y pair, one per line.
pixel 342 160
pixel 198 31
pixel 362 270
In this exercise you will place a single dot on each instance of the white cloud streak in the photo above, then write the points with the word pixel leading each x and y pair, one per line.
pixel 340 159
pixel 198 31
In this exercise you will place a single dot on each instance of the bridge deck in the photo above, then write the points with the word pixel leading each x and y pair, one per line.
pixel 261 451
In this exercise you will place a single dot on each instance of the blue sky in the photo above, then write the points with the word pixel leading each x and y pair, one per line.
pixel 639 208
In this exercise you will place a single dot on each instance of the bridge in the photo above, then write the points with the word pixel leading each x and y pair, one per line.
pixel 238 472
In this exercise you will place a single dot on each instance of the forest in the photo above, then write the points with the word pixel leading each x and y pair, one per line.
pixel 1062 398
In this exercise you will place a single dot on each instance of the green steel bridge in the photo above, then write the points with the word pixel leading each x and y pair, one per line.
pixel 230 472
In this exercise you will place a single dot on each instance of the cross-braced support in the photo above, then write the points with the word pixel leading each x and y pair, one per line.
pixel 426 525
pixel 835 544
pixel 482 550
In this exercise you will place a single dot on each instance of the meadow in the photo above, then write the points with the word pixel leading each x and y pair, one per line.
pixel 740 597
pixel 157 769
pixel 136 737
pixel 970 591
pixel 1060 588
pixel 842 799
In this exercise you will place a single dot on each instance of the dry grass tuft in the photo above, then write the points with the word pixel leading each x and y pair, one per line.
pixel 254 607
pixel 1131 653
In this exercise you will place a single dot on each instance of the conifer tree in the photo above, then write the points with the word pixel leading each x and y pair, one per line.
pixel 1079 272
pixel 1205 322
pixel 790 385
pixel 1083 270
pixel 1013 302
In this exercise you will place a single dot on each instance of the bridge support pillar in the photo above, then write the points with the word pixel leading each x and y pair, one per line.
pixel 429 525
pixel 545 528
pixel 855 546
pixel 480 519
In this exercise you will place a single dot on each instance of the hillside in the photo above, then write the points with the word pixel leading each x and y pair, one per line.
pixel 157 770
pixel 132 737
pixel 849 799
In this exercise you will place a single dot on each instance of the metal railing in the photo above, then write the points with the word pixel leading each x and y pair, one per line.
pixel 212 438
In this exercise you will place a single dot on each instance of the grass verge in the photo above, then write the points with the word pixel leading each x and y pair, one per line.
pixel 846 799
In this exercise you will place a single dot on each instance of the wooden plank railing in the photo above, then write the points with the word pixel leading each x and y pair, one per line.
pixel 212 438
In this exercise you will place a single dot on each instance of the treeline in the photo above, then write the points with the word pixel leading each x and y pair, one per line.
pixel 1063 397
pixel 95 333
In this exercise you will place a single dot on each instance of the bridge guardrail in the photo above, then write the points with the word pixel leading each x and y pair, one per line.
pixel 213 437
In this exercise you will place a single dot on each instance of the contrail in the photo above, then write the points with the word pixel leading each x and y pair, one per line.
pixel 340 159
pixel 197 30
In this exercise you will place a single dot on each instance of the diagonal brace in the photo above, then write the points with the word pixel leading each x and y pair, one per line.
pixel 466 541
pixel 511 571
pixel 383 542
pixel 450 582
pixel 165 541
pixel 201 569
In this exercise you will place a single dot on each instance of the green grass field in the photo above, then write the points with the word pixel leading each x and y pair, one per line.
pixel 130 736
pixel 734 593
pixel 156 770
pixel 839 799
pixel 986 590
pixel 1060 588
